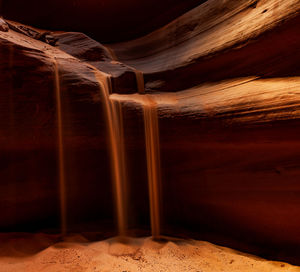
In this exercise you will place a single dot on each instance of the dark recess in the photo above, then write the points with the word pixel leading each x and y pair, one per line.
pixel 105 20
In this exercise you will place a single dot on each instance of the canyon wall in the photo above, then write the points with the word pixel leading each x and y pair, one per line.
pixel 225 79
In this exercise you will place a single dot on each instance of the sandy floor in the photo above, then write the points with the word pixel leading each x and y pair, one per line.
pixel 136 255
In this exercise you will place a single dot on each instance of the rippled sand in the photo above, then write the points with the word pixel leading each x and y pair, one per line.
pixel 140 254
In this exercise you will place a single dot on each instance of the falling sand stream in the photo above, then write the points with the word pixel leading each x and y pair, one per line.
pixel 113 116
pixel 153 163
pixel 152 155
pixel 151 131
pixel 114 120
pixel 113 112
pixel 152 147
pixel 61 161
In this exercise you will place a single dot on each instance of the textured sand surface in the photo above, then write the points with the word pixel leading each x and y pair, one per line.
pixel 140 254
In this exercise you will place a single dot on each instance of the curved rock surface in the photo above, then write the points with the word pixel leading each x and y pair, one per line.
pixel 218 40
pixel 225 77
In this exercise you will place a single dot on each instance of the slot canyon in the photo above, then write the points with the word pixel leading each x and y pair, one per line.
pixel 149 135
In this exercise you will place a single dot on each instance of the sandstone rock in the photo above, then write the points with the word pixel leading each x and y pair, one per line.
pixel 28 125
pixel 229 126
pixel 44 36
pixel 218 40
pixel 3 25
pixel 124 78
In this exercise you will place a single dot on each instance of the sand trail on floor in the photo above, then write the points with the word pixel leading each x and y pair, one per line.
pixel 138 254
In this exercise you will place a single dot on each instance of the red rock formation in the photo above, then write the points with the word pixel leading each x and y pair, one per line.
pixel 216 41
pixel 229 125
pixel 3 25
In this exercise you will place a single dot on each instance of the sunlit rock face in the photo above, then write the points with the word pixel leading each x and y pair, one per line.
pixel 215 41
pixel 225 77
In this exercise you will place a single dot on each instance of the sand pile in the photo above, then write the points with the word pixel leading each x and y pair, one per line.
pixel 139 254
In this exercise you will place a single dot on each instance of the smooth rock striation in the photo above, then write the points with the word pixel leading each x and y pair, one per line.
pixel 218 40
